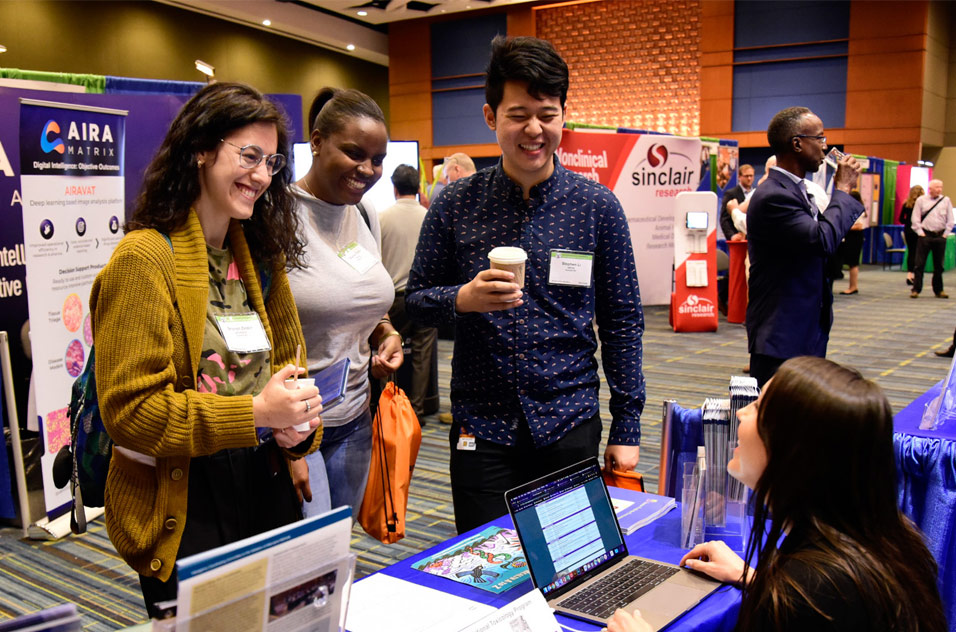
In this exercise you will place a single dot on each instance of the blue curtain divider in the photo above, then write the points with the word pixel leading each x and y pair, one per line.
pixel 131 85
pixel 7 506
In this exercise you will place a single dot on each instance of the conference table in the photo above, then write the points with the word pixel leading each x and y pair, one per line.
pixel 926 460
pixel 658 540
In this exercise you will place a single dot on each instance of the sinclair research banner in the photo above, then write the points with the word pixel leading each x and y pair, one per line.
pixel 71 181
pixel 645 172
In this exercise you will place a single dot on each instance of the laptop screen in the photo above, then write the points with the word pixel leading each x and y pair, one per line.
pixel 566 524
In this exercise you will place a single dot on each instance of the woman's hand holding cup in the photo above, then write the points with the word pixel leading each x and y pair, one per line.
pixel 282 405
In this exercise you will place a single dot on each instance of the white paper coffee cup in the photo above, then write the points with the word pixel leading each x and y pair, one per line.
pixel 292 385
pixel 510 259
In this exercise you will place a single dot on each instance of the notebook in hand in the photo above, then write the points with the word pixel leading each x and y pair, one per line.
pixel 332 382
pixel 578 559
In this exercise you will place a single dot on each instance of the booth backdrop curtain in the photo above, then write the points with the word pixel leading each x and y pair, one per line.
pixel 687 432
pixel 131 85
pixel 94 84
pixel 888 215
pixel 7 505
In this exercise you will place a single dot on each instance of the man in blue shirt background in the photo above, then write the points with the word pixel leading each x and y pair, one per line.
pixel 524 385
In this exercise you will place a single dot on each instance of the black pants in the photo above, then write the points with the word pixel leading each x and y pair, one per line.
pixel 762 367
pixel 911 238
pixel 926 245
pixel 233 494
pixel 480 477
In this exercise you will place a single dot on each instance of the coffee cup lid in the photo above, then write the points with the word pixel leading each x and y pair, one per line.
pixel 508 254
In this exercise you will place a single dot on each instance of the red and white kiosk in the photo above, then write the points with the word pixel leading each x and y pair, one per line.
pixel 694 299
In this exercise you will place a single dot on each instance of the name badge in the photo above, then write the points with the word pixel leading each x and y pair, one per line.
pixel 570 267
pixel 467 442
pixel 358 257
pixel 243 333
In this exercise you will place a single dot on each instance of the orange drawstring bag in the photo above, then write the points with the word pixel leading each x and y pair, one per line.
pixel 625 480
pixel 396 437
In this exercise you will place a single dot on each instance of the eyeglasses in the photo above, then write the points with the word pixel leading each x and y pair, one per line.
pixel 822 139
pixel 251 156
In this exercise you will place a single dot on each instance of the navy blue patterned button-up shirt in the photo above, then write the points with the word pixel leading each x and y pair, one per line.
pixel 535 362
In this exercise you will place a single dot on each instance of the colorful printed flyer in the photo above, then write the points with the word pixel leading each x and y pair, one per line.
pixel 492 560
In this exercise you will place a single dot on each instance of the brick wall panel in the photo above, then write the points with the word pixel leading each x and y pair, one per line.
pixel 633 64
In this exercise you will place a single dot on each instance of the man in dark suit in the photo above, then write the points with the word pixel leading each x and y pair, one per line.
pixel 745 181
pixel 791 302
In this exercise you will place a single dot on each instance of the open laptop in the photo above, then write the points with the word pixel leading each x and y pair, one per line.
pixel 578 559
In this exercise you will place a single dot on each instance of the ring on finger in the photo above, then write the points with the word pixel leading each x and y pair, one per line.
pixel 308 406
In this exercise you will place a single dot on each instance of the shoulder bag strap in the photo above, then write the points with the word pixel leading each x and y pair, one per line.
pixel 930 209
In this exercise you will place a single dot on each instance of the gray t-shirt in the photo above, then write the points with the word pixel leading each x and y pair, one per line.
pixel 339 306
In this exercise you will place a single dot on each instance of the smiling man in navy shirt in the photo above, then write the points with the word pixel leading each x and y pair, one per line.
pixel 524 385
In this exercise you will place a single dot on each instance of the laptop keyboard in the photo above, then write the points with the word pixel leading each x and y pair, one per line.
pixel 618 589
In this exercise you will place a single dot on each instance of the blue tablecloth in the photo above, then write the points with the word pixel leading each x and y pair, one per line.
pixel 927 491
pixel 658 541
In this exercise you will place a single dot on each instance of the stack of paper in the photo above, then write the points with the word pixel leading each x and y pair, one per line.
pixel 636 509
pixel 717 446
pixel 743 391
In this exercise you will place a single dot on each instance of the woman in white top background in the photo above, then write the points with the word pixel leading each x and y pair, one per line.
pixel 343 293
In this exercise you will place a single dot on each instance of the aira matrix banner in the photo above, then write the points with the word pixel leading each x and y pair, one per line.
pixel 71 160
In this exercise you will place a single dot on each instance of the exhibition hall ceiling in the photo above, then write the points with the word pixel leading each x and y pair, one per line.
pixel 335 24
pixel 383 11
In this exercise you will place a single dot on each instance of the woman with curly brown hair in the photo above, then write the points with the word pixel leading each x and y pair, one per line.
pixel 195 332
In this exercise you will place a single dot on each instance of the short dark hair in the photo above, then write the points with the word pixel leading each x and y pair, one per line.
pixel 406 180
pixel 783 127
pixel 171 181
pixel 528 59
pixel 332 107
pixel 830 480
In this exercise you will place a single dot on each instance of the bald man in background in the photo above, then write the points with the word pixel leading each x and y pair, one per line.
pixel 457 166
pixel 933 222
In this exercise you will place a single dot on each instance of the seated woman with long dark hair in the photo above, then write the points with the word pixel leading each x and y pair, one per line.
pixel 817 449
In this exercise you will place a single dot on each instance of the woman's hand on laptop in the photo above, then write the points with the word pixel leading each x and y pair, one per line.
pixel 718 561
pixel 624 621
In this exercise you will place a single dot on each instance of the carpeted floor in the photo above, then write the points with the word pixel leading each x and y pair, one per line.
pixel 880 331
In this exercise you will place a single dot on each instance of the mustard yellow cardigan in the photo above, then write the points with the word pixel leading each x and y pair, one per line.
pixel 149 310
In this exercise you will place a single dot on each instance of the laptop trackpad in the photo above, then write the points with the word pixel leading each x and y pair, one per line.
pixel 667 602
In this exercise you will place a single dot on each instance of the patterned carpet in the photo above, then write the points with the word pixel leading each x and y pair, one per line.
pixel 881 331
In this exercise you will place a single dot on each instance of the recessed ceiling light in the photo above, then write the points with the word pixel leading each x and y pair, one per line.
pixel 267 23
pixel 362 14
pixel 350 47
pixel 205 68
pixel 3 48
